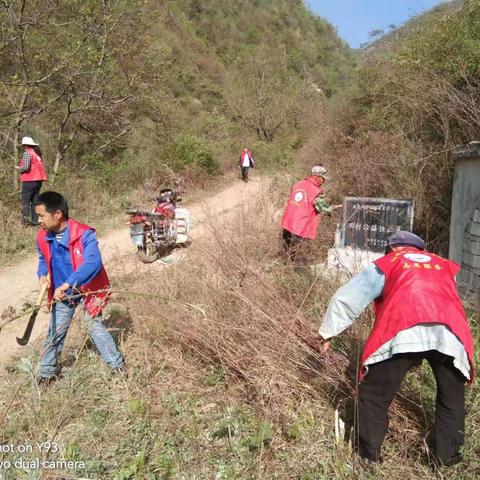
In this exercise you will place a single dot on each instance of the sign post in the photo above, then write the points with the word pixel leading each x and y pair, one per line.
pixel 368 222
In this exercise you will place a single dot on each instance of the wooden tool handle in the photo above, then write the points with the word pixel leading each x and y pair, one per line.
pixel 43 290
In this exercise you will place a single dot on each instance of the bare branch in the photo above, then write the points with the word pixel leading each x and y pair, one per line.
pixel 105 145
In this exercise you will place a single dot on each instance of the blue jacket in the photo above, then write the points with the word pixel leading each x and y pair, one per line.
pixel 61 264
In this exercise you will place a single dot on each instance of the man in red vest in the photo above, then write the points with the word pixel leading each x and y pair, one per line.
pixel 302 213
pixel 418 315
pixel 32 175
pixel 70 262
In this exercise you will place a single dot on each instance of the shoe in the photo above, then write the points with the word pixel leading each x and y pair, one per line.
pixel 368 465
pixel 436 463
pixel 44 382
pixel 119 371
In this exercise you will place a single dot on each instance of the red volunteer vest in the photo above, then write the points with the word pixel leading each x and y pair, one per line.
pixel 300 216
pixel 240 160
pixel 37 169
pixel 419 288
pixel 94 302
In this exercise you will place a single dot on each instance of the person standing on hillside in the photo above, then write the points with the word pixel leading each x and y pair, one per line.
pixel 71 264
pixel 418 315
pixel 32 175
pixel 245 162
pixel 301 216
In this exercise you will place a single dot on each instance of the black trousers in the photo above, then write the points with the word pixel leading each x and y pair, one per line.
pixel 295 247
pixel 30 192
pixel 382 382
pixel 245 174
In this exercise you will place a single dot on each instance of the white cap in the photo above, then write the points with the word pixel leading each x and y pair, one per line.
pixel 319 171
pixel 29 141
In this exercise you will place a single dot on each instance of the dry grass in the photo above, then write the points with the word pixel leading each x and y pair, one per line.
pixel 14 238
pixel 255 318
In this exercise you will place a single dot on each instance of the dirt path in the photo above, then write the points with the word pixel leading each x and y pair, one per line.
pixel 18 283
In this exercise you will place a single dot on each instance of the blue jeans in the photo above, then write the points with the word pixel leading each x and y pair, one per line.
pixel 136 234
pixel 62 314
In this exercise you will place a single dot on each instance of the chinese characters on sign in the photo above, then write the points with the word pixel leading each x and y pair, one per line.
pixel 368 222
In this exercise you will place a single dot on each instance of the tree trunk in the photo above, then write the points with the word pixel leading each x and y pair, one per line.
pixel 56 165
pixel 15 178
pixel 61 149
pixel 16 137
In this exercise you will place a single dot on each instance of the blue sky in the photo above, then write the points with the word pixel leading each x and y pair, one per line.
pixel 354 19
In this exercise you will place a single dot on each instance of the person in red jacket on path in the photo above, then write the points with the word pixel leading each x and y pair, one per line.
pixel 302 212
pixel 418 315
pixel 69 261
pixel 245 162
pixel 32 175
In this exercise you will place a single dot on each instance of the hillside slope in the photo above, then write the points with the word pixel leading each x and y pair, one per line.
pixel 414 99
pixel 129 95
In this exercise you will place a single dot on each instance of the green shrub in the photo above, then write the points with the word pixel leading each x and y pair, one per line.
pixel 189 150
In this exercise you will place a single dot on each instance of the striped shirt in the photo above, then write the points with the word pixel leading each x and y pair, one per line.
pixel 59 235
